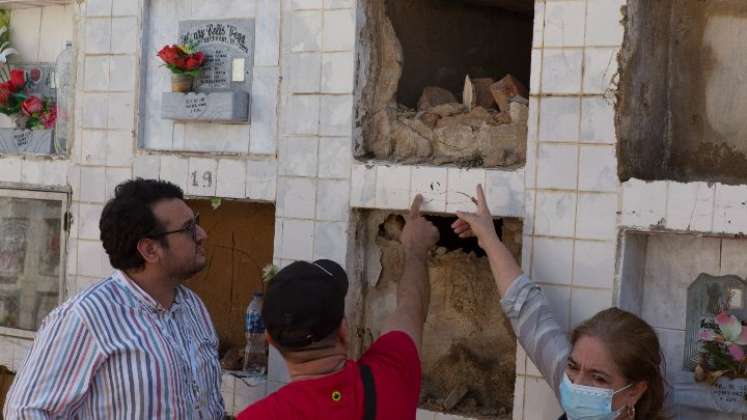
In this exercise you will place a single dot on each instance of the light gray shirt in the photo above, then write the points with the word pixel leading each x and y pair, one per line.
pixel 539 333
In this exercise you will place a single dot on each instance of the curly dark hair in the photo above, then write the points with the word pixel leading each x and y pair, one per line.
pixel 128 217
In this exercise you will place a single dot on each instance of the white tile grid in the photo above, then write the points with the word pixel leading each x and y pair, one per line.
pixel 644 203
pixel 730 209
pixel 690 206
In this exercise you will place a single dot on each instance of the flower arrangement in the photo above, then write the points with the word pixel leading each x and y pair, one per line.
pixel 29 111
pixel 185 63
pixel 182 59
pixel 722 349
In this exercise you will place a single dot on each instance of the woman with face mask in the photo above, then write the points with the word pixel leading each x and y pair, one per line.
pixel 611 366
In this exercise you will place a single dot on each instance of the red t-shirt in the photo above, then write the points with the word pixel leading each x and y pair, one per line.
pixel 395 366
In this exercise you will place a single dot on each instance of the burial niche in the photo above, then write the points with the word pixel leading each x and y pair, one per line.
pixel 444 82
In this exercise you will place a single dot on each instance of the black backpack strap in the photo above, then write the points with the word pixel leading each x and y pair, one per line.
pixel 369 393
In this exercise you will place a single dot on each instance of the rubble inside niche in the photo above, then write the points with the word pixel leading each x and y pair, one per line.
pixel 468 351
pixel 487 128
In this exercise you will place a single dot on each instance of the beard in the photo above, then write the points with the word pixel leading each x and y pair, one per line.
pixel 186 269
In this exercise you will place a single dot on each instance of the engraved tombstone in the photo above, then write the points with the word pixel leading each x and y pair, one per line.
pixel 707 296
pixel 224 85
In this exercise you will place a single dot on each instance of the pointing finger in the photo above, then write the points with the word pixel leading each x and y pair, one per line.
pixel 415 207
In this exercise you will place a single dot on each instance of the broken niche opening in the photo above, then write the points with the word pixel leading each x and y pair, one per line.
pixel 680 108
pixel 444 82
pixel 469 349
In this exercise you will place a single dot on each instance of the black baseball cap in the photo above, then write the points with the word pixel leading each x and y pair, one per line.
pixel 305 302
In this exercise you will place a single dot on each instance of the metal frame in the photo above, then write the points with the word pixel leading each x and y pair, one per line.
pixel 64 199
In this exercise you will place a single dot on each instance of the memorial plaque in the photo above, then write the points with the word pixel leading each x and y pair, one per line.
pixel 229 49
pixel 707 296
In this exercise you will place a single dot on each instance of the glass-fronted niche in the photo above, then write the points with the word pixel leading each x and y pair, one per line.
pixel 32 238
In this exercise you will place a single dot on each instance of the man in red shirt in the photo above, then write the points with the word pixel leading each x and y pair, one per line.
pixel 304 314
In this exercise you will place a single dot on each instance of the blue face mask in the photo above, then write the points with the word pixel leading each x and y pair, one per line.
pixel 587 402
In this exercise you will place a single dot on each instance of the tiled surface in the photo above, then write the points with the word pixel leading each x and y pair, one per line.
pixel 299 146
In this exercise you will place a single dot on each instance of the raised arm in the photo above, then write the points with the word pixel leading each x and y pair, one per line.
pixel 414 290
pixel 523 301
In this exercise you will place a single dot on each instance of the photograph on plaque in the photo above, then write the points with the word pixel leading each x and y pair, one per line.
pixel 13 244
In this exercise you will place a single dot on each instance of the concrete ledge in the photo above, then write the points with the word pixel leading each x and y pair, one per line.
pixel 231 107
pixel 16 140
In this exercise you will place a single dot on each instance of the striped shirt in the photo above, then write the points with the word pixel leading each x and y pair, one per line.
pixel 112 352
pixel 539 333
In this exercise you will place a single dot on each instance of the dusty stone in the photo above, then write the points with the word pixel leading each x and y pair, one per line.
pixel 502 118
pixel 412 140
pixel 502 145
pixel 447 110
pixel 505 89
pixel 454 142
pixel 430 119
pixel 433 96
pixel 483 94
pixel 381 144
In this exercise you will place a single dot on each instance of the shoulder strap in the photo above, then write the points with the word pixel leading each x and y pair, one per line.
pixel 369 393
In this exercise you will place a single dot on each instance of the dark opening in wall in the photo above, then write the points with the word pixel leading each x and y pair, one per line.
pixel 392 227
pixel 445 40
pixel 444 81
pixel 681 103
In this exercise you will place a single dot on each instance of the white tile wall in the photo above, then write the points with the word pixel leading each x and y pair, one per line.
pixel 296 197
pixel 596 216
pixel 559 117
pixel 564 23
pixel 333 200
pixel 644 203
pixel 557 166
pixel 555 213
pixel 552 260
pixel 561 70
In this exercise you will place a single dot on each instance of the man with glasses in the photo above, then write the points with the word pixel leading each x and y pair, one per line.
pixel 138 344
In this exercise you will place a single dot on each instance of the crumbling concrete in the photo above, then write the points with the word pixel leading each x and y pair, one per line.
pixel 406 97
pixel 681 95
pixel 468 354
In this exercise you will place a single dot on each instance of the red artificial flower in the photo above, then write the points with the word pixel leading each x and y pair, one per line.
pixel 194 61
pixel 169 54
pixel 177 59
pixel 49 117
pixel 5 92
pixel 32 105
pixel 17 79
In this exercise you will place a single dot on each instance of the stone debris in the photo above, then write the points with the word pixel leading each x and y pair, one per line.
pixel 484 96
pixel 506 89
pixel 434 96
pixel 469 96
pixel 487 129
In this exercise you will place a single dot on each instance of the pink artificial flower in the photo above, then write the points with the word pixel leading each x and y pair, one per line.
pixel 731 329
pixel 49 117
pixel 736 352
pixel 707 334
pixel 32 105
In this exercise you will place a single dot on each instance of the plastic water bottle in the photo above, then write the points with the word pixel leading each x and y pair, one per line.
pixel 255 353
pixel 63 82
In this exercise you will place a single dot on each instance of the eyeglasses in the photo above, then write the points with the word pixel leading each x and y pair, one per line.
pixel 191 228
